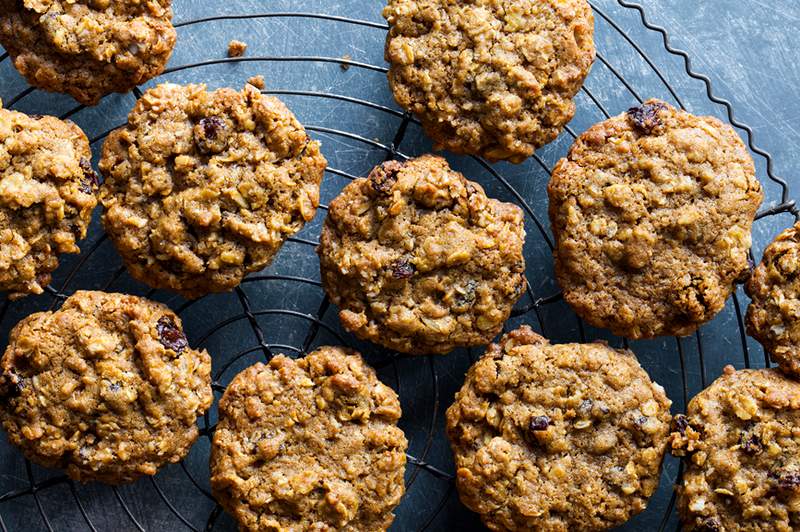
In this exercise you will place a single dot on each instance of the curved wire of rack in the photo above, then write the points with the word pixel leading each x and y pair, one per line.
pixel 315 320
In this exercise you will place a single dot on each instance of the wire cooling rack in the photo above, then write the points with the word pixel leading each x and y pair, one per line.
pixel 328 67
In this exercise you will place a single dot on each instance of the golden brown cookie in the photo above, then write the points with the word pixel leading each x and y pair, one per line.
pixel 309 444
pixel 47 195
pixel 420 260
pixel 203 187
pixel 740 440
pixel 106 388
pixel 652 212
pixel 773 317
pixel 493 77
pixel 557 437
pixel 87 48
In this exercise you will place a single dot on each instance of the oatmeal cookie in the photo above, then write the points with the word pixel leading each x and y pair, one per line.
pixel 493 77
pixel 202 188
pixel 87 48
pixel 773 317
pixel 309 444
pixel 106 388
pixel 557 437
pixel 47 195
pixel 652 211
pixel 419 260
pixel 740 440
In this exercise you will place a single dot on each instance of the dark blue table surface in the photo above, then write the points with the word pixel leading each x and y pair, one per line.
pixel 747 47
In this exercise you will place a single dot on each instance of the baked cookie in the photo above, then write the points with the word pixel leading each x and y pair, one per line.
pixel 47 195
pixel 106 388
pixel 419 260
pixel 309 444
pixel 492 77
pixel 773 317
pixel 740 440
pixel 202 188
pixel 651 212
pixel 87 48
pixel 557 437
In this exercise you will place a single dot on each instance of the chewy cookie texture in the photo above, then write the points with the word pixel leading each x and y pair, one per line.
pixel 492 77
pixel 309 444
pixel 652 212
pixel 87 48
pixel 106 388
pixel 557 437
pixel 47 195
pixel 773 317
pixel 420 260
pixel 740 440
pixel 202 188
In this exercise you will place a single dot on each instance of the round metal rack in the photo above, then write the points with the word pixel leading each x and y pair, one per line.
pixel 284 310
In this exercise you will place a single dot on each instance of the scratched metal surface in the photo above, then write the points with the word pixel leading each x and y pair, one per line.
pixel 746 47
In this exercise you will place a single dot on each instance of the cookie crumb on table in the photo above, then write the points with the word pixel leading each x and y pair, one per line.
pixel 257 82
pixel 236 48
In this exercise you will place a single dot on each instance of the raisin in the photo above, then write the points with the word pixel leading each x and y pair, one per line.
pixel 170 336
pixel 681 423
pixel 211 126
pixel 540 423
pixel 750 443
pixel 11 385
pixel 90 180
pixel 384 177
pixel 640 421
pixel 709 524
pixel 210 134
pixel 403 269
pixel 645 117
pixel 786 481
pixel 36 116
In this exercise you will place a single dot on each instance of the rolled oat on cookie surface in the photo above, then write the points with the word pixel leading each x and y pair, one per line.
pixel 203 187
pixel 652 213
pixel 420 260
pixel 106 388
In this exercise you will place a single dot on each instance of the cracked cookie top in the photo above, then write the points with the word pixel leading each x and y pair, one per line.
pixel 87 48
pixel 740 439
pixel 106 388
pixel 773 317
pixel 309 444
pixel 652 212
pixel 420 260
pixel 492 77
pixel 47 195
pixel 202 188
pixel 557 437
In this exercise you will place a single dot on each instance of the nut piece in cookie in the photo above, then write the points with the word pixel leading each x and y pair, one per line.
pixel 740 441
pixel 557 437
pixel 87 48
pixel 309 444
pixel 202 188
pixel 494 78
pixel 420 260
pixel 773 317
pixel 47 195
pixel 651 212
pixel 106 388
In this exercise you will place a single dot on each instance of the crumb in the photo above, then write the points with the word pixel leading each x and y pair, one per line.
pixel 236 48
pixel 257 81
pixel 345 66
